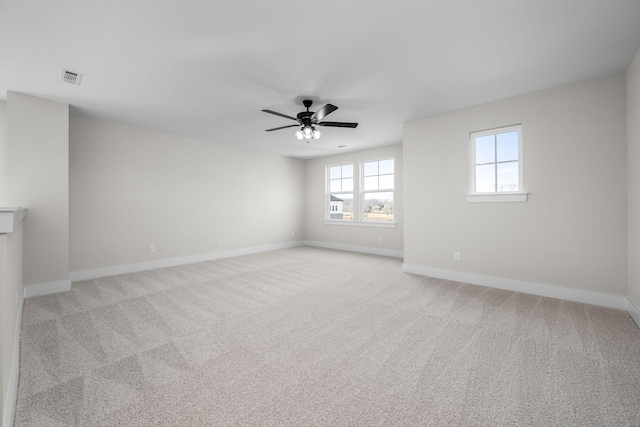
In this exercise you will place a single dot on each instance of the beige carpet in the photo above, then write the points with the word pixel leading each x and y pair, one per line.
pixel 309 336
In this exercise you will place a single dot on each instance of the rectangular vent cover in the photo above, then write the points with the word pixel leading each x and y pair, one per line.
pixel 70 77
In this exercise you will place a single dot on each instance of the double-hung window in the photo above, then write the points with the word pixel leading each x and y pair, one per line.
pixel 361 193
pixel 377 190
pixel 340 192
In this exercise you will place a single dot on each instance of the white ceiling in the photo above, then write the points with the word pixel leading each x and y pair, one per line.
pixel 205 69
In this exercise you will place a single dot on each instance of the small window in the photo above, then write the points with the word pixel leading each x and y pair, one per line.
pixel 340 194
pixel 377 190
pixel 496 160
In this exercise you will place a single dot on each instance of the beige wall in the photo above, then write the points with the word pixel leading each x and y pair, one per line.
pixel 38 179
pixel 317 230
pixel 131 188
pixel 572 230
pixel 633 177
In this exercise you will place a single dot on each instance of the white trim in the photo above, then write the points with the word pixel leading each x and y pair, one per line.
pixel 354 248
pixel 12 389
pixel 633 311
pixel 545 290
pixel 497 197
pixel 361 224
pixel 172 262
pixel 47 288
pixel 10 217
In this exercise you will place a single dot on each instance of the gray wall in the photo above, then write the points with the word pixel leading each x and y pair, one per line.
pixel 317 230
pixel 10 287
pixel 3 153
pixel 5 306
pixel 633 177
pixel 38 179
pixel 131 188
pixel 571 232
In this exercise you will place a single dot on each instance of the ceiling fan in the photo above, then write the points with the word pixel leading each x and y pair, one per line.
pixel 308 120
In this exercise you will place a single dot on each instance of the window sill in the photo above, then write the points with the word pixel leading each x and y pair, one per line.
pixel 362 224
pixel 497 197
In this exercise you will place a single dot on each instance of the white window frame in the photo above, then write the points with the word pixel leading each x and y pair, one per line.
pixel 386 190
pixel 328 192
pixel 495 196
pixel 358 196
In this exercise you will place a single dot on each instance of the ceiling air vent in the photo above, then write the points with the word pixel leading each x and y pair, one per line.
pixel 70 77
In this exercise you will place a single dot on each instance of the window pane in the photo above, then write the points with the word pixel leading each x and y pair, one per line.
pixel 378 206
pixel 341 207
pixel 347 184
pixel 335 185
pixel 370 183
pixel 386 166
pixel 347 171
pixel 485 149
pixel 335 172
pixel 508 177
pixel 507 146
pixel 485 179
pixel 370 168
pixel 386 181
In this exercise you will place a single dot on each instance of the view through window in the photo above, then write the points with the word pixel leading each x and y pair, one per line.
pixel 341 192
pixel 377 191
pixel 496 160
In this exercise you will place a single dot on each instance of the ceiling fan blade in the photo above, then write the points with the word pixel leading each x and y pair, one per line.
pixel 338 124
pixel 280 114
pixel 324 111
pixel 282 127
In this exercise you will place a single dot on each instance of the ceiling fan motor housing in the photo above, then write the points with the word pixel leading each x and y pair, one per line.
pixel 305 117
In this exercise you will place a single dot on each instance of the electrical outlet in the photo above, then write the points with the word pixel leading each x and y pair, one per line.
pixel 456 256
pixel 17 299
pixel 152 249
pixel 379 238
pixel 293 233
pixel 218 241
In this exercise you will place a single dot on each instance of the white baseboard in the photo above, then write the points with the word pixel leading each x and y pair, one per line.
pixel 354 248
pixel 47 288
pixel 12 390
pixel 172 262
pixel 633 311
pixel 571 294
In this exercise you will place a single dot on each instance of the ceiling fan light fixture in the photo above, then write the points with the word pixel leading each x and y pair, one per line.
pixel 308 120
